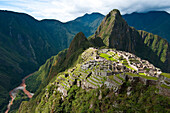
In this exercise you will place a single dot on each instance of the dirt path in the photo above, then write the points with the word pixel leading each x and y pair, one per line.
pixel 13 92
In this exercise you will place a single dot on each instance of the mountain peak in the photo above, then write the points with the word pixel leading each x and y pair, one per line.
pixel 79 41
pixel 114 31
pixel 115 12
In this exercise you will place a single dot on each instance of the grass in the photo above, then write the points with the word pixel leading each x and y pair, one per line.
pixel 143 74
pixel 112 78
pixel 149 77
pixel 111 53
pixel 116 82
pixel 91 82
pixel 107 57
pixel 132 74
pixel 165 86
pixel 124 62
pixel 96 78
pixel 167 82
pixel 166 75
pixel 130 67
pixel 118 76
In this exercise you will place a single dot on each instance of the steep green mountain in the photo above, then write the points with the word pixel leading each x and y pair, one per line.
pixel 102 80
pixel 58 63
pixel 79 41
pixel 115 33
pixel 24 47
pixel 156 22
pixel 25 44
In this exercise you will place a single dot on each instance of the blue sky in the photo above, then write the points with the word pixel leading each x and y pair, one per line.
pixel 65 10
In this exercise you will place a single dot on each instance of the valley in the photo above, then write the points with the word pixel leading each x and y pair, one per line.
pixel 14 92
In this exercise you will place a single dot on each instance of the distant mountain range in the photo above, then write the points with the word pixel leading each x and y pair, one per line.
pixel 156 22
pixel 26 43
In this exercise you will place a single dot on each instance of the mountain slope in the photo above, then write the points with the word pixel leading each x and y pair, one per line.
pixel 115 33
pixel 90 86
pixel 26 43
pixel 156 22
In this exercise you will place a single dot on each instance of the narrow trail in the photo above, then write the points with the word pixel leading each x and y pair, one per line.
pixel 13 92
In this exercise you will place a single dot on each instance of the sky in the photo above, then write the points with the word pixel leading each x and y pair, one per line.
pixel 66 10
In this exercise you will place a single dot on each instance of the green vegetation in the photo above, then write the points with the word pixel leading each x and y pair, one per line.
pixel 21 96
pixel 165 86
pixel 132 74
pixel 107 57
pixel 80 100
pixel 142 74
pixel 124 62
pixel 48 99
pixel 112 78
pixel 166 75
pixel 149 77
pixel 162 22
pixel 27 43
pixel 118 76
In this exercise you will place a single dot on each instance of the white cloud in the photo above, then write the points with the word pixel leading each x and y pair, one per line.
pixel 65 10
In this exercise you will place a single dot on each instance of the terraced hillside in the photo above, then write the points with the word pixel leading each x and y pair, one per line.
pixel 96 69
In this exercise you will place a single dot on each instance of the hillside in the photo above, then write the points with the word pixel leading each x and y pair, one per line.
pixel 26 43
pixel 156 22
pixel 104 80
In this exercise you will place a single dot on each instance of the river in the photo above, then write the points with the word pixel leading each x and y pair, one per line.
pixel 13 92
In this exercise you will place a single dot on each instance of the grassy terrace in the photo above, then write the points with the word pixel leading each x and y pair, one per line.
pixel 94 80
pixel 166 75
pixel 132 74
pixel 92 83
pixel 124 62
pixel 147 77
pixel 142 74
pixel 98 81
pixel 112 78
pixel 118 76
pixel 165 86
pixel 111 53
pixel 107 57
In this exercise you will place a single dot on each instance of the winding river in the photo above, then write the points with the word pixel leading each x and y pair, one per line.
pixel 13 92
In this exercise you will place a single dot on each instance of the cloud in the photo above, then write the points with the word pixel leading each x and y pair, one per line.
pixel 65 10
